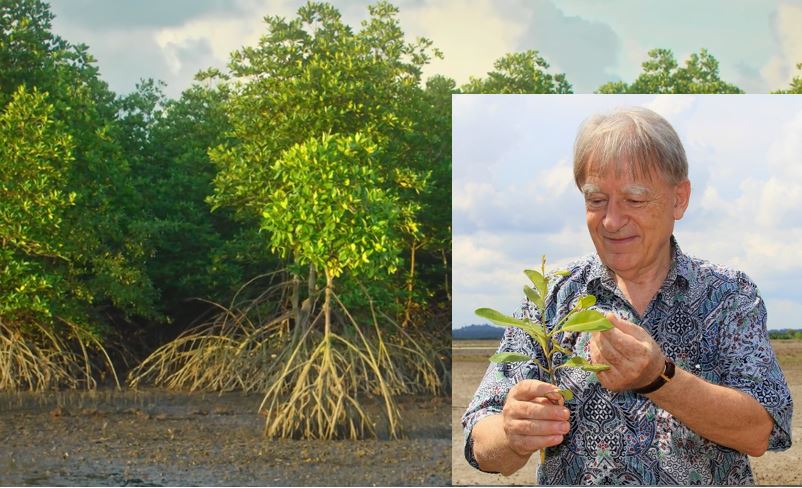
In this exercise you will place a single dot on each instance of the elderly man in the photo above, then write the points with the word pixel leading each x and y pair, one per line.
pixel 693 386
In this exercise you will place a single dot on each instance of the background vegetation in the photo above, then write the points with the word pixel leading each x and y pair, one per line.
pixel 283 226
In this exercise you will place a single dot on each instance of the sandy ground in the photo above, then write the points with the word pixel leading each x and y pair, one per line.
pixel 156 438
pixel 469 364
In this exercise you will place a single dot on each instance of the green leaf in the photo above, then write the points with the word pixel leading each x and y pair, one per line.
pixel 534 330
pixel 499 318
pixel 574 362
pixel 560 348
pixel 586 301
pixel 587 321
pixel 509 357
pixel 583 364
pixel 595 368
pixel 567 394
pixel 562 272
pixel 535 297
pixel 538 280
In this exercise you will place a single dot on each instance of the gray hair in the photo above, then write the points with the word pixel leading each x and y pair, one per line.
pixel 633 138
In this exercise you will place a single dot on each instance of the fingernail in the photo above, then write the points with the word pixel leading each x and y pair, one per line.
pixel 566 414
pixel 566 427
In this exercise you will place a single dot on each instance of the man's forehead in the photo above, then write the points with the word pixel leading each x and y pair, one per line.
pixel 622 185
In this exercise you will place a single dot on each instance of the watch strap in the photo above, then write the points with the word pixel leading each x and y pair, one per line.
pixel 662 379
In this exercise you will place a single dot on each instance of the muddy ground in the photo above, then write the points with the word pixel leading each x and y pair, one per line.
pixel 470 362
pixel 158 438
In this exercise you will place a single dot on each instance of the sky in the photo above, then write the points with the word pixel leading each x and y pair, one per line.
pixel 514 198
pixel 758 43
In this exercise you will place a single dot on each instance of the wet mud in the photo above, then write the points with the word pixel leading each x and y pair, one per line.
pixel 159 438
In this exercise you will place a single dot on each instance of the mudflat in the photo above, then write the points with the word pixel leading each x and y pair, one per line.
pixel 161 438
pixel 469 362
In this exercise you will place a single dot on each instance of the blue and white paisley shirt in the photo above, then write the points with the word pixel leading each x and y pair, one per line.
pixel 709 319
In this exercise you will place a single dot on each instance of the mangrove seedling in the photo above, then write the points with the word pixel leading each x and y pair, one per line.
pixel 579 319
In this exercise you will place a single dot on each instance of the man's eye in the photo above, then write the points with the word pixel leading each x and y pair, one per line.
pixel 596 202
pixel 636 203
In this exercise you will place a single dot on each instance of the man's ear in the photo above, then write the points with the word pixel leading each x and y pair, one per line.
pixel 682 195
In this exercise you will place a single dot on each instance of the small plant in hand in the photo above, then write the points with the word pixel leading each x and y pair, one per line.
pixel 579 319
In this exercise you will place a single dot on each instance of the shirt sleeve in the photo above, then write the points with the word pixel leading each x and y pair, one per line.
pixel 749 363
pixel 499 379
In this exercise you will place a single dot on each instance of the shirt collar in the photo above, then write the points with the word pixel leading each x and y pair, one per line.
pixel 681 271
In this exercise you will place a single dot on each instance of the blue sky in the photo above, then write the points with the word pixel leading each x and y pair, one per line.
pixel 758 43
pixel 515 200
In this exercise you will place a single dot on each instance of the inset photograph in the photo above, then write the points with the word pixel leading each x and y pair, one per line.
pixel 625 269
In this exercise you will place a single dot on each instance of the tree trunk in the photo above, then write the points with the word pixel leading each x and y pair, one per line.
pixel 447 275
pixel 305 312
pixel 295 300
pixel 410 286
pixel 327 304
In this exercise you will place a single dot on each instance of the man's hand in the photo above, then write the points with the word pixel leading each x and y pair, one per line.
pixel 634 357
pixel 534 417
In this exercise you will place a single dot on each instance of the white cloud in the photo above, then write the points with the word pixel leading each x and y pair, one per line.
pixel 785 153
pixel 221 35
pixel 786 23
pixel 783 314
pixel 745 156
pixel 780 203
pixel 557 180
pixel 471 35
pixel 670 106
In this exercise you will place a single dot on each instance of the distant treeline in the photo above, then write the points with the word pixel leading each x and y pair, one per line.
pixel 476 332
pixel 484 331
pixel 785 334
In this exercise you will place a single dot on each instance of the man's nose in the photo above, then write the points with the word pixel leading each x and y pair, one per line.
pixel 614 218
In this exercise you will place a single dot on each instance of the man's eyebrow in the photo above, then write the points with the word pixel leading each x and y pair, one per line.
pixel 589 188
pixel 637 190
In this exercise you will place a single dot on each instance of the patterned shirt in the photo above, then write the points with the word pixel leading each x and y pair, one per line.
pixel 710 320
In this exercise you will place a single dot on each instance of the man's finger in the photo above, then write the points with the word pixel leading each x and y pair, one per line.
pixel 612 340
pixel 530 443
pixel 538 428
pixel 531 389
pixel 623 337
pixel 540 409
pixel 623 325
pixel 606 349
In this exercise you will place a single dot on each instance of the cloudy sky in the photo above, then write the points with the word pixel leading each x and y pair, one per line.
pixel 514 197
pixel 758 43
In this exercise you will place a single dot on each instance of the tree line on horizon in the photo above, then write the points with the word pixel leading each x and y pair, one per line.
pixel 289 215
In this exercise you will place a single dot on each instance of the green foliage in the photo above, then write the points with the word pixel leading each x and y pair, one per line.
pixel 314 75
pixel 524 72
pixel 73 245
pixel 329 208
pixel 578 319
pixel 662 74
pixel 194 253
pixel 786 334
pixel 35 153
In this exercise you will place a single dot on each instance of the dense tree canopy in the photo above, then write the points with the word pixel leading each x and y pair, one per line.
pixel 662 74
pixel 319 150
pixel 523 72
pixel 313 76
pixel 101 246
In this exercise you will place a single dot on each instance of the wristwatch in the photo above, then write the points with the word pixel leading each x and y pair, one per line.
pixel 662 379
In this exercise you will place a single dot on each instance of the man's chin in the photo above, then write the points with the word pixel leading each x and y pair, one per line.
pixel 619 262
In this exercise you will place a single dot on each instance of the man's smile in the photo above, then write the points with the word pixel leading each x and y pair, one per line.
pixel 620 241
